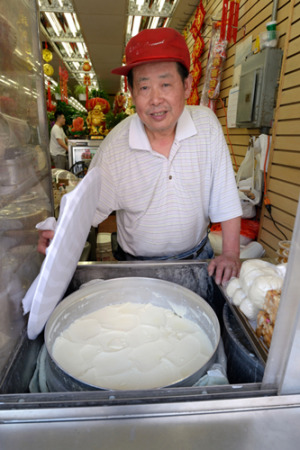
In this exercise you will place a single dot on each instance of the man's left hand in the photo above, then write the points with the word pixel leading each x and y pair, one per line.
pixel 224 267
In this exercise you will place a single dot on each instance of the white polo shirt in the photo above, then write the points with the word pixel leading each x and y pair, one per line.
pixel 57 133
pixel 164 205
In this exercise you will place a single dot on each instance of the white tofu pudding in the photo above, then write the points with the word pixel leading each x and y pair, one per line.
pixel 132 346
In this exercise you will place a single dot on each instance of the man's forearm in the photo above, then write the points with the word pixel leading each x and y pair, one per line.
pixel 62 144
pixel 231 236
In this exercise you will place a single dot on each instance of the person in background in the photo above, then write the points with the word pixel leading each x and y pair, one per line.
pixel 59 142
pixel 166 170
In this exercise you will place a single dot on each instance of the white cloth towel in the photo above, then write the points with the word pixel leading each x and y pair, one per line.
pixel 76 215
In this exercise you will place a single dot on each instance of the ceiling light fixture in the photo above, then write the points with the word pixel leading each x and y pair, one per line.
pixel 136 25
pixel 129 25
pixel 71 23
pixel 81 48
pixel 154 22
pixel 160 5
pixel 156 12
pixel 54 23
pixel 67 48
pixel 140 3
pixel 76 22
pixel 62 31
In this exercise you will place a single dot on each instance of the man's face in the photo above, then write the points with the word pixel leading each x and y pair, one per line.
pixel 159 96
pixel 61 120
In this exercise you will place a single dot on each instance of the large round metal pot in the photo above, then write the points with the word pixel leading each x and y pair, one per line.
pixel 88 299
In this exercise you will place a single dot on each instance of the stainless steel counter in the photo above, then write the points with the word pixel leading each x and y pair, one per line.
pixel 235 424
pixel 229 416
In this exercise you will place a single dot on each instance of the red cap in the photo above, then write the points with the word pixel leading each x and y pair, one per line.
pixel 154 45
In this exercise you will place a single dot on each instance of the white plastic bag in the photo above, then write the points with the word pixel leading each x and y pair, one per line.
pixel 249 179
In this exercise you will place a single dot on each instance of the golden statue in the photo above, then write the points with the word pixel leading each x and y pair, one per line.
pixel 96 121
pixel 130 109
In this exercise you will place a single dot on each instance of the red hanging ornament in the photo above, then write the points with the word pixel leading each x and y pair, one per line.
pixel 86 66
pixel 230 20
pixel 63 84
pixel 198 20
pixel 223 20
pixel 198 48
pixel 235 20
pixel 194 97
pixel 196 72
pixel 196 53
pixel 87 83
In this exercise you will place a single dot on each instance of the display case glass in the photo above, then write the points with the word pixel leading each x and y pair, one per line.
pixel 25 172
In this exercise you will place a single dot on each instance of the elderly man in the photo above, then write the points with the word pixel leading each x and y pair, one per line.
pixel 166 170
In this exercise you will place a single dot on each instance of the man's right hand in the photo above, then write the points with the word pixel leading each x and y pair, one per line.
pixel 44 240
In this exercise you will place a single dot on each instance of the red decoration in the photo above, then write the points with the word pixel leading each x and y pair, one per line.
pixel 198 48
pixel 196 53
pixel 224 20
pixel 77 124
pixel 86 66
pixel 198 21
pixel 63 82
pixel 196 73
pixel 119 103
pixel 87 80
pixel 87 83
pixel 229 21
pixel 50 106
pixel 98 101
pixel 194 97
pixel 235 20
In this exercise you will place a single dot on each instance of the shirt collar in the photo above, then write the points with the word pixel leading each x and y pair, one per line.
pixel 138 138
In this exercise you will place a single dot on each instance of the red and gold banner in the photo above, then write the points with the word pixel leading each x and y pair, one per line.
pixel 198 21
pixel 198 49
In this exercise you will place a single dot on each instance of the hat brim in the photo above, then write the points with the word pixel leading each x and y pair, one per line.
pixel 124 70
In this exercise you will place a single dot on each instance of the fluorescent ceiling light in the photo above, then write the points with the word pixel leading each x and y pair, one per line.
pixel 76 64
pixel 160 4
pixel 18 52
pixel 68 48
pixel 136 25
pixel 129 24
pixel 76 22
pixel 167 22
pixel 12 81
pixel 5 82
pixel 80 48
pixel 60 3
pixel 154 22
pixel 54 23
pixel 71 23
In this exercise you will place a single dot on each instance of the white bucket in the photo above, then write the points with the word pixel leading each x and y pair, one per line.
pixel 104 250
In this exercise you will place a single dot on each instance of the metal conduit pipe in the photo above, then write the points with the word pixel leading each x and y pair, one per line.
pixel 274 10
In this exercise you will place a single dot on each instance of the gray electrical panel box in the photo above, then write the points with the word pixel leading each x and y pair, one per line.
pixel 258 86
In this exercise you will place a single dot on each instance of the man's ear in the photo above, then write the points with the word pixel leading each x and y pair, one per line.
pixel 188 86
